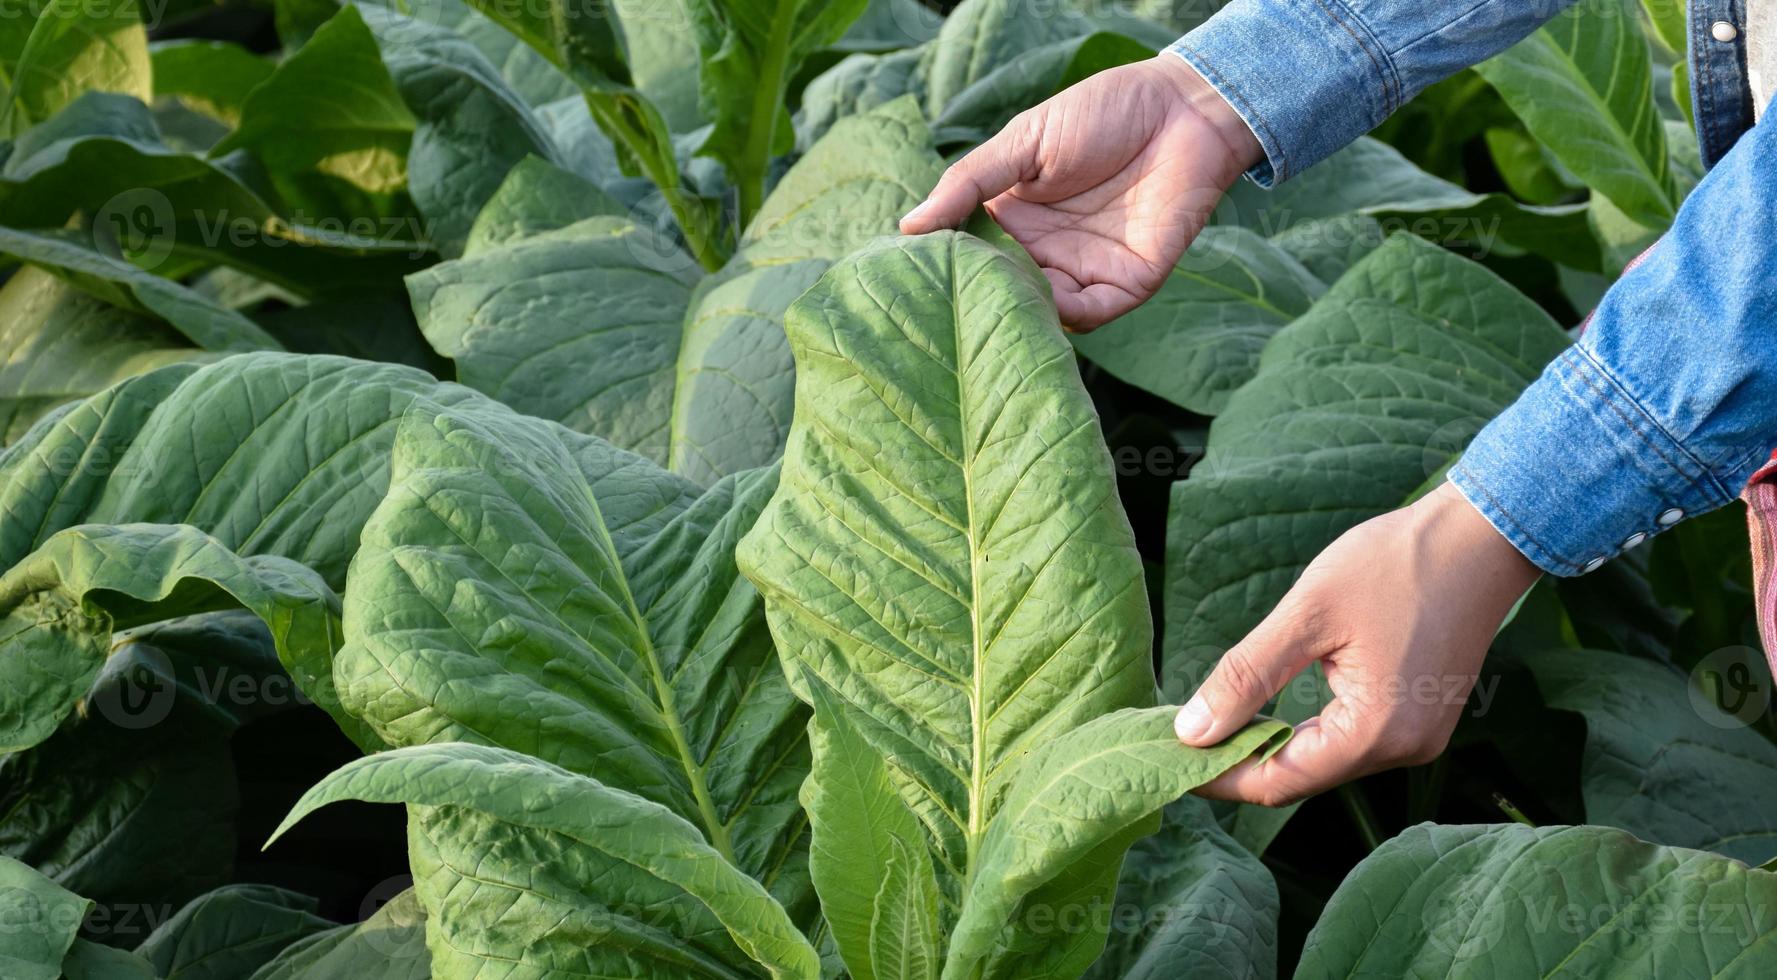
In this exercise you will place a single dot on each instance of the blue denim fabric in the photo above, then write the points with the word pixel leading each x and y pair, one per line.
pixel 1668 402
pixel 1310 76
pixel 1720 97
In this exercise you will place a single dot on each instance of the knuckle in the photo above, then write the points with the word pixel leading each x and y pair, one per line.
pixel 1240 677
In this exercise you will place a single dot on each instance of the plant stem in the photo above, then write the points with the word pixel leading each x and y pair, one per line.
pixel 1359 808
pixel 1506 807
pixel 664 174
pixel 693 224
pixel 768 99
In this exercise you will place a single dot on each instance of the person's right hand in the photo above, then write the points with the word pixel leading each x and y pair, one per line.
pixel 1105 184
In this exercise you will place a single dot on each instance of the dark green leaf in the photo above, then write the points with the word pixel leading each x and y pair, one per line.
pixel 568 874
pixel 230 932
pixel 1200 336
pixel 1536 902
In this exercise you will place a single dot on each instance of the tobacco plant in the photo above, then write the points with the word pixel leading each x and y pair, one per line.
pixel 522 424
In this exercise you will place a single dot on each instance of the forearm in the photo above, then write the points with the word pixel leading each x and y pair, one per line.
pixel 1310 76
pixel 1667 403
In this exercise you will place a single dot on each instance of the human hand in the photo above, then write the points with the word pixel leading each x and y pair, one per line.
pixel 1105 184
pixel 1400 611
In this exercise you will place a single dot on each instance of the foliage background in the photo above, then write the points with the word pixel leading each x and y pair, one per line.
pixel 412 184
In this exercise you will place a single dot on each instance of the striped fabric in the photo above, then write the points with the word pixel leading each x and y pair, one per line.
pixel 1761 520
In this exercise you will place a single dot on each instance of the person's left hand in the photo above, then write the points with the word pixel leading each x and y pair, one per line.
pixel 1400 611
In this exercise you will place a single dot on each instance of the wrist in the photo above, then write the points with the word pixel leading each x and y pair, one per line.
pixel 1200 99
pixel 1461 536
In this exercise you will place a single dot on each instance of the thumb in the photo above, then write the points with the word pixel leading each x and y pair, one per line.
pixel 1250 675
pixel 985 173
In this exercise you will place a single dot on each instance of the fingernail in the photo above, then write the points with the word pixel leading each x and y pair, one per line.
pixel 1193 720
pixel 909 216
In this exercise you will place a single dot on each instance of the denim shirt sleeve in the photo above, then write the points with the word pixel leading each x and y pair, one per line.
pixel 1668 402
pixel 1309 76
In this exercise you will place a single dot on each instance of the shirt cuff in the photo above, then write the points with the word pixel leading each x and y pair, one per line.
pixel 1307 76
pixel 1576 471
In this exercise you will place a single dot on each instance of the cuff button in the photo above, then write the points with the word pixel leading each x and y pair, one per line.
pixel 1595 564
pixel 1723 31
pixel 1670 517
pixel 1634 539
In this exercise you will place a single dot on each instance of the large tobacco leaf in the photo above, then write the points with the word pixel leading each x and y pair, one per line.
pixel 70 49
pixel 115 280
pixel 187 489
pixel 1529 902
pixel 61 604
pixel 583 609
pixel 103 158
pixel 42 918
pixel 390 945
pixel 988 60
pixel 472 127
pixel 732 405
pixel 207 78
pixel 535 197
pixel 58 344
pixel 532 870
pixel 1662 761
pixel 329 124
pixel 577 324
pixel 986 105
pixel 1191 902
pixel 982 36
pixel 1355 407
pixel 230 932
pixel 953 585
pixel 270 454
pixel 1200 336
pixel 1371 178
pixel 608 327
pixel 586 44
pixel 1583 85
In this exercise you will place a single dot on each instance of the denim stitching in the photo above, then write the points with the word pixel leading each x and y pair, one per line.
pixel 1640 423
pixel 1282 165
pixel 1607 397
pixel 1705 89
pixel 1391 85
pixel 1556 557
pixel 1452 22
